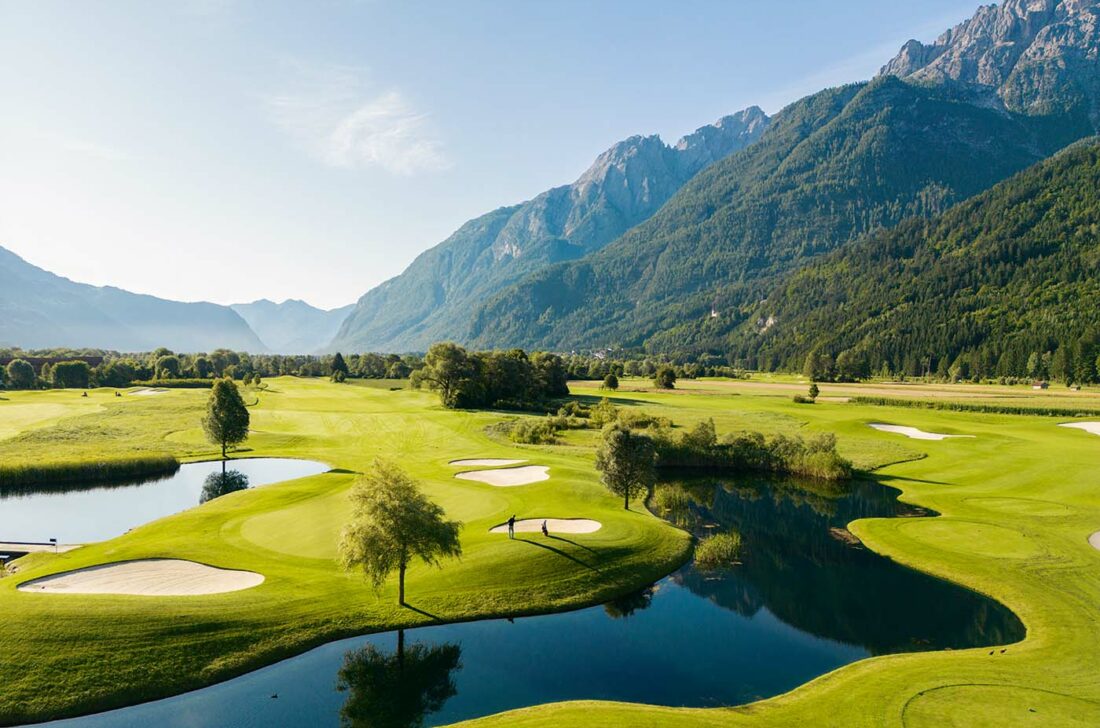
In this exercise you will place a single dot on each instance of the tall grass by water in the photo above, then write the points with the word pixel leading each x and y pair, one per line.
pixel 14 476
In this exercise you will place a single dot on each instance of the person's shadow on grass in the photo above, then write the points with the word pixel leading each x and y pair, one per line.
pixel 558 551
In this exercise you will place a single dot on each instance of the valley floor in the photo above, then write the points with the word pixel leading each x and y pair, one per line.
pixel 1018 503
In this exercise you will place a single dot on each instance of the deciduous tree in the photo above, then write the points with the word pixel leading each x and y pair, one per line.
pixel 226 421
pixel 393 522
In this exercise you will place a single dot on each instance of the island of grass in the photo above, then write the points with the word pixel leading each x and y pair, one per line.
pixel 996 534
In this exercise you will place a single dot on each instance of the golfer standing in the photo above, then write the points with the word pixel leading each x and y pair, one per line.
pixel 512 526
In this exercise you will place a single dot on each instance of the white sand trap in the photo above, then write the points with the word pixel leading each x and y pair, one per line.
pixel 484 463
pixel 1091 427
pixel 146 577
pixel 553 525
pixel 913 432
pixel 508 476
pixel 149 392
pixel 1094 540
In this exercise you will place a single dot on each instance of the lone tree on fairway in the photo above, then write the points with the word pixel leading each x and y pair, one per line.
pixel 339 365
pixel 226 420
pixel 627 462
pixel 393 523
pixel 611 381
pixel 665 378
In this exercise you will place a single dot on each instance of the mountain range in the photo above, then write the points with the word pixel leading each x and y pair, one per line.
pixel 942 122
pixel 626 184
pixel 724 241
pixel 40 310
pixel 293 326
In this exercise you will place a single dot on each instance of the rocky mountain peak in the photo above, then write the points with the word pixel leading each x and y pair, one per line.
pixel 1037 56
pixel 715 141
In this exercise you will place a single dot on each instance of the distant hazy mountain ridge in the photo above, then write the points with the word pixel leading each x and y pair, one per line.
pixel 434 297
pixel 293 326
pixel 41 310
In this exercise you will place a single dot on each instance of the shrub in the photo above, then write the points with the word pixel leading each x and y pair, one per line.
pixel 802 399
pixel 718 551
pixel 533 432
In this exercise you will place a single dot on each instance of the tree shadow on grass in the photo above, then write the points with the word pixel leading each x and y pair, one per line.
pixel 436 617
pixel 559 552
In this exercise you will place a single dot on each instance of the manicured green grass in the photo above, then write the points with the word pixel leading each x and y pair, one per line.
pixel 1018 502
pixel 63 654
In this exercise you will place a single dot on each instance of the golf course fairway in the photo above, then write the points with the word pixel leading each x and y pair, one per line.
pixel 1018 502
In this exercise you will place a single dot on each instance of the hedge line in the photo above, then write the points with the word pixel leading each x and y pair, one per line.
pixel 175 383
pixel 134 467
pixel 992 409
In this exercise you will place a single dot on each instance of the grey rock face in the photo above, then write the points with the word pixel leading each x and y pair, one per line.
pixel 434 298
pixel 1037 56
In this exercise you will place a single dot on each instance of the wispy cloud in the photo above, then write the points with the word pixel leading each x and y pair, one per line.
pixel 345 122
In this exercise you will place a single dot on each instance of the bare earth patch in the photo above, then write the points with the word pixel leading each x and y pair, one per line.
pixel 553 525
pixel 507 477
pixel 1090 427
pixel 913 432
pixel 484 462
pixel 146 577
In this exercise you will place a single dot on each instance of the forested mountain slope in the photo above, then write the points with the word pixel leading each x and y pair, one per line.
pixel 41 310
pixel 1006 284
pixel 832 167
pixel 434 298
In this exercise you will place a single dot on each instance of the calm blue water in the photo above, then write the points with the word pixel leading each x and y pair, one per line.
pixel 800 604
pixel 78 514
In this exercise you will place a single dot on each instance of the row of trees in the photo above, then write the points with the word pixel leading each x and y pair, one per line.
pixel 506 379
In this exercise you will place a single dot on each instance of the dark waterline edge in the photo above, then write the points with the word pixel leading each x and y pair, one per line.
pixel 340 635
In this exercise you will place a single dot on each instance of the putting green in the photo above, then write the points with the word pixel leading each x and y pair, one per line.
pixel 972 537
pixel 999 706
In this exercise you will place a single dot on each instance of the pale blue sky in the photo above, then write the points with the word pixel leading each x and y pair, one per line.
pixel 227 150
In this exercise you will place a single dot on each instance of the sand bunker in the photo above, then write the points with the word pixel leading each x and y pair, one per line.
pixel 553 525
pixel 508 476
pixel 484 462
pixel 1091 427
pixel 146 577
pixel 1094 540
pixel 149 392
pixel 913 432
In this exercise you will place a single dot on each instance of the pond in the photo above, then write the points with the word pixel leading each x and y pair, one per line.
pixel 802 602
pixel 75 514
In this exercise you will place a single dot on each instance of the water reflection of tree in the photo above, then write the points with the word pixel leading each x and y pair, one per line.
pixel 397 689
pixel 218 484
pixel 628 604
pixel 796 569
